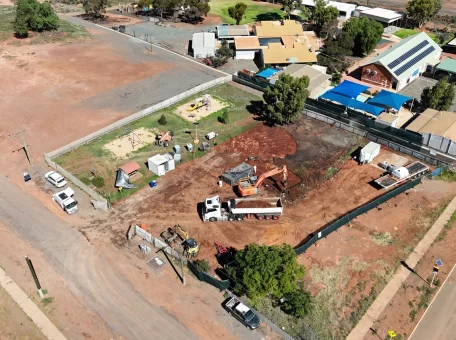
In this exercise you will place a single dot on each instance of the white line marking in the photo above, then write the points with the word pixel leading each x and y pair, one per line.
pixel 430 305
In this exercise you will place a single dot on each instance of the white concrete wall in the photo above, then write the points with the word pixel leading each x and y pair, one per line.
pixel 245 55
pixel 203 52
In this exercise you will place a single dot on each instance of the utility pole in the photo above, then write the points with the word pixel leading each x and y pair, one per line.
pixel 21 133
pixel 35 278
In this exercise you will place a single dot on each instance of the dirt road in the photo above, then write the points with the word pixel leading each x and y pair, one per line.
pixel 105 279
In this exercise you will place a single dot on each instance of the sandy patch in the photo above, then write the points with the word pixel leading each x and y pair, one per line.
pixel 202 110
pixel 131 141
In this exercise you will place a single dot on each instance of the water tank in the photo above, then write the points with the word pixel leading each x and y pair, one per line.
pixel 401 173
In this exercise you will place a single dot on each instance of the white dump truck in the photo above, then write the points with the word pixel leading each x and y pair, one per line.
pixel 237 209
pixel 66 201
pixel 400 175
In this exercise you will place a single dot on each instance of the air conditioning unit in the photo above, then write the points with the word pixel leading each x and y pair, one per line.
pixel 368 71
pixel 375 73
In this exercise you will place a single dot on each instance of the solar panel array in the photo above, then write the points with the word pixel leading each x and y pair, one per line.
pixel 407 54
pixel 413 61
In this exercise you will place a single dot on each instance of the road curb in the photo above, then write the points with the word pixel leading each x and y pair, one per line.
pixel 30 308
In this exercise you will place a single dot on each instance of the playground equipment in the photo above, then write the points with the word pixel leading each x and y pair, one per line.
pixel 200 102
pixel 132 137
pixel 163 138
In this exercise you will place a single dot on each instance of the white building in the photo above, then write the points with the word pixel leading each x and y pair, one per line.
pixel 346 10
pixel 246 47
pixel 161 164
pixel 384 16
pixel 203 45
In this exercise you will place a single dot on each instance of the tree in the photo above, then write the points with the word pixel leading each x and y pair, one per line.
pixel 164 5
pixel 221 55
pixel 285 101
pixel 321 14
pixel 95 8
pixel 237 12
pixel 421 11
pixel 440 96
pixel 34 16
pixel 335 51
pixel 224 117
pixel 365 32
pixel 145 3
pixel 195 9
pixel 297 303
pixel 162 120
pixel 290 5
pixel 262 270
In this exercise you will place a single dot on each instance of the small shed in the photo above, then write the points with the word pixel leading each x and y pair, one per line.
pixel 233 176
pixel 369 152
pixel 246 47
pixel 130 168
pixel 203 44
pixel 161 164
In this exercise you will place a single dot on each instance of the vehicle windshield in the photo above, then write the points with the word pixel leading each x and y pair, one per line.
pixel 248 315
pixel 72 205
pixel 61 180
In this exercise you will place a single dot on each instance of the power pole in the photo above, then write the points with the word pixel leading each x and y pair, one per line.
pixel 21 133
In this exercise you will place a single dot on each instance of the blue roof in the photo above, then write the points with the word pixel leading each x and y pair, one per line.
pixel 349 89
pixel 267 73
pixel 352 103
pixel 389 99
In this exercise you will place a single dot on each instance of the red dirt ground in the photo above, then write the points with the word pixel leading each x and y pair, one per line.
pixel 396 315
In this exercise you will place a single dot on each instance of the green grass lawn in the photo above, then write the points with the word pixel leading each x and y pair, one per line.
pixel 256 11
pixel 67 32
pixel 82 160
pixel 405 33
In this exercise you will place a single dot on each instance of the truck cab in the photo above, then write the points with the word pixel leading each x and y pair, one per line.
pixel 66 201
pixel 212 209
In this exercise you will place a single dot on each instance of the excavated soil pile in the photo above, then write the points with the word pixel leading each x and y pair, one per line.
pixel 253 204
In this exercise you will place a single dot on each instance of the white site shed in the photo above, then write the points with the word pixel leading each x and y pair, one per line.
pixel 161 164
pixel 369 152
pixel 203 44
pixel 346 10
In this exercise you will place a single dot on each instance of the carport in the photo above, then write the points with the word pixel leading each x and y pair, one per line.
pixel 446 68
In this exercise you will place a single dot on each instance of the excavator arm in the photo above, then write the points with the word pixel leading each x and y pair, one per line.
pixel 273 172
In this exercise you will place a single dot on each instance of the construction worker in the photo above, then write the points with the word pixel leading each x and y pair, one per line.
pixel 254 169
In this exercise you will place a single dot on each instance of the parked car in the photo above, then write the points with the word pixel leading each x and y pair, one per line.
pixel 241 312
pixel 66 201
pixel 55 179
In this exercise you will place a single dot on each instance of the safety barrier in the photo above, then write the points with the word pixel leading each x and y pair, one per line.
pixel 357 212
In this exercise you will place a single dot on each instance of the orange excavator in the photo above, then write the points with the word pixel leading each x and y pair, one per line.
pixel 246 188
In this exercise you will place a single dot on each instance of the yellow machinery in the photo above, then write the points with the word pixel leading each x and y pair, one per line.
pixel 246 188
pixel 200 102
pixel 190 246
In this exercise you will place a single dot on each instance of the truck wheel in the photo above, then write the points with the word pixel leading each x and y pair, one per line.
pixel 239 218
pixel 275 217
pixel 260 218
pixel 212 219
pixel 268 217
pixel 231 218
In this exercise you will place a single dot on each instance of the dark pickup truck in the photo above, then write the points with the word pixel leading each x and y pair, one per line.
pixel 242 313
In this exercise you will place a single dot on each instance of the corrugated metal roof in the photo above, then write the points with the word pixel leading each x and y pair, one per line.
pixel 232 31
pixel 441 123
pixel 404 46
pixel 448 65
pixel 316 78
pixel 203 39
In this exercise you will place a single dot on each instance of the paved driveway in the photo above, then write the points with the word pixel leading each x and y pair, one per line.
pixel 415 89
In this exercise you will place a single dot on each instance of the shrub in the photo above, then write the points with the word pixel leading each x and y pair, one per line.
pixel 35 16
pixel 298 303
pixel 224 118
pixel 85 180
pixel 202 265
pixel 98 181
pixel 162 120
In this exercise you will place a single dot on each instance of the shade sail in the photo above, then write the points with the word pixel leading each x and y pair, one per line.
pixel 267 73
pixel 349 89
pixel 352 103
pixel 389 99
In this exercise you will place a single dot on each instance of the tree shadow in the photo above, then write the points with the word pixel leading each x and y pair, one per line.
pixel 268 16
pixel 406 266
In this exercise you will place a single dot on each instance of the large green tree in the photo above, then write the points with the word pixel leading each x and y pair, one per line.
pixel 32 15
pixel 440 96
pixel 335 51
pixel 196 9
pixel 285 100
pixel 290 5
pixel 95 8
pixel 298 303
pixel 237 12
pixel 365 32
pixel 322 14
pixel 421 11
pixel 164 5
pixel 263 270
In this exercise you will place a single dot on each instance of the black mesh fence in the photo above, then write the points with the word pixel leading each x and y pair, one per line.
pixel 202 276
pixel 357 212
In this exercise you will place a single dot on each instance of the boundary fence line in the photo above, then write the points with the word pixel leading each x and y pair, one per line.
pixel 100 202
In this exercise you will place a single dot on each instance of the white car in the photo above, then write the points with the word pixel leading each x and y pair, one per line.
pixel 55 179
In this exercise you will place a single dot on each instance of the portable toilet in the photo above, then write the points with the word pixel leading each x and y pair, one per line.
pixel 369 152
pixel 177 149
pixel 189 147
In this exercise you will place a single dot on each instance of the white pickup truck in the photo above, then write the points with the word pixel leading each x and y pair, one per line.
pixel 66 201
